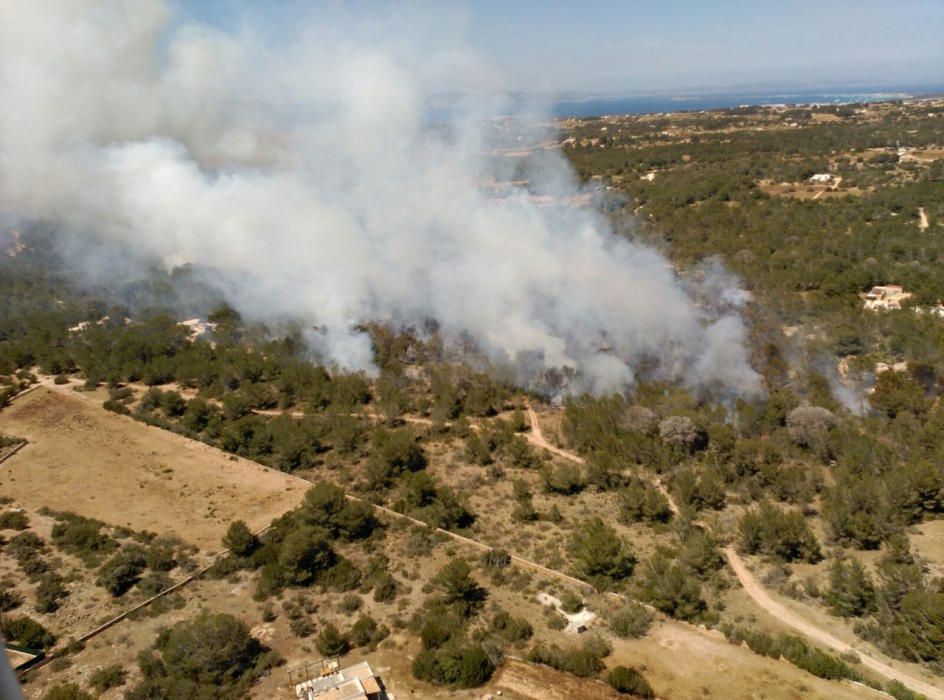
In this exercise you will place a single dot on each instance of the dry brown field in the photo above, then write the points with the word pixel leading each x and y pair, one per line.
pixel 83 459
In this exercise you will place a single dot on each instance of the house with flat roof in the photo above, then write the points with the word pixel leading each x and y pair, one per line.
pixel 326 680
pixel 885 297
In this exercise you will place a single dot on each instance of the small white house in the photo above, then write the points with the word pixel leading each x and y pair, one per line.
pixel 885 297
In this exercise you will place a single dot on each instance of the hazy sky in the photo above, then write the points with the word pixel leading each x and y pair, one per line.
pixel 613 45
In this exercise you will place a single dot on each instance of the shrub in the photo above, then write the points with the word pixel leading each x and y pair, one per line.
pixel 343 576
pixel 680 432
pixel 496 559
pixel 639 419
pixel 629 682
pixel 385 588
pixel 459 589
pixel 795 650
pixel 215 653
pixel 571 602
pixel 239 539
pixel 108 677
pixel 160 557
pixel 438 628
pixel 780 533
pixel 641 503
pixel 631 621
pixel 302 627
pixel 66 691
pixel 26 632
pixel 25 544
pixel 49 592
pixel 365 632
pixel 154 582
pixel 122 571
pixel 601 557
pixel 809 426
pixel 13 520
pixel 331 642
pixel 10 600
pixel 351 603
pixel 116 407
pixel 513 629
pixel 581 661
pixel 565 479
pixel 461 666
pixel 82 537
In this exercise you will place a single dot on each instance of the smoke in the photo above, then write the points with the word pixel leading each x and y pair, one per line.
pixel 307 171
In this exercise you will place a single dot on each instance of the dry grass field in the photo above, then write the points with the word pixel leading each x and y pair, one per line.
pixel 83 459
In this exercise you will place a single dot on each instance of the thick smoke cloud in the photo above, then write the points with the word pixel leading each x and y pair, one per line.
pixel 309 173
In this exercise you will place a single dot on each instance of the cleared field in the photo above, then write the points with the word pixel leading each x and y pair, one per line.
pixel 83 459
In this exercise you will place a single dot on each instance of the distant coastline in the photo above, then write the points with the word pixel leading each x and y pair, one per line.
pixel 602 105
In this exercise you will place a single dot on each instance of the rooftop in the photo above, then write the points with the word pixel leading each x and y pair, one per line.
pixel 357 682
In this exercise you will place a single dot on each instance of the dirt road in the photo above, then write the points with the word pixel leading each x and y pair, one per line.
pixel 760 596
pixel 831 188
pixel 536 438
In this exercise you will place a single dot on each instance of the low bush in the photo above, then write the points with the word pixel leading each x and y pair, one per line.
pixel 108 677
pixel 629 681
pixel 631 621
pixel 457 665
pixel 795 650
pixel 585 661
pixel 26 632
pixel 14 520
pixel 512 629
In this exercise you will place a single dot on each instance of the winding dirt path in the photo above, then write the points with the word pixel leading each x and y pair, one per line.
pixel 759 594
pixel 536 438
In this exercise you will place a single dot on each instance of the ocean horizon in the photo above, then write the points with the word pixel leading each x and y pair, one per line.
pixel 603 105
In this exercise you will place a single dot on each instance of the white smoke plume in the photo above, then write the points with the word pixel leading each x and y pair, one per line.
pixel 307 170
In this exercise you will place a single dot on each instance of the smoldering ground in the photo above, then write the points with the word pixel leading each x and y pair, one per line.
pixel 307 172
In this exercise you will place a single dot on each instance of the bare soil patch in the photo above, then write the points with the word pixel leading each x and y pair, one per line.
pixel 83 459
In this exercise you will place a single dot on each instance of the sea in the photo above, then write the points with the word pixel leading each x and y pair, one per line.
pixel 602 105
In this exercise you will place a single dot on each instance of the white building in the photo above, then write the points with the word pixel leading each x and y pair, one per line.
pixel 886 297
pixel 325 680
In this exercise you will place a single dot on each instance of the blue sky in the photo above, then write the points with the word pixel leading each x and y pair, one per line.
pixel 612 46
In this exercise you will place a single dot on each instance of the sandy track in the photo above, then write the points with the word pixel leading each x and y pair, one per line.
pixel 536 438
pixel 760 596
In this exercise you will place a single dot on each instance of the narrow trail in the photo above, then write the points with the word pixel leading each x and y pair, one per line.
pixel 922 219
